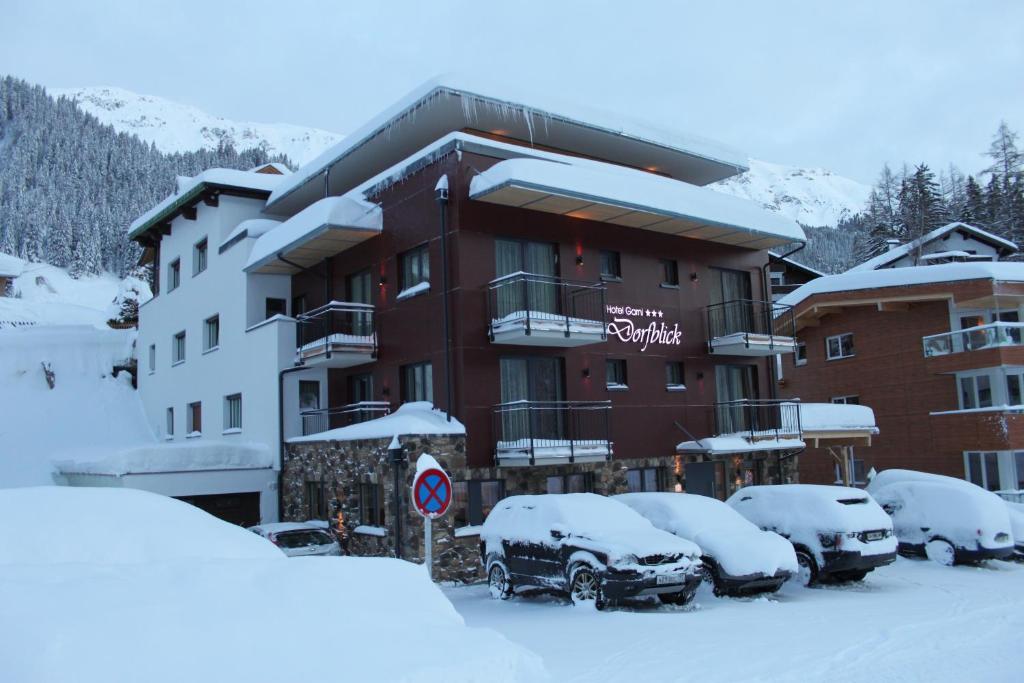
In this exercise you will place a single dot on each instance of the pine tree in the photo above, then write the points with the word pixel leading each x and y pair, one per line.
pixel 974 212
pixel 921 207
pixel 1006 158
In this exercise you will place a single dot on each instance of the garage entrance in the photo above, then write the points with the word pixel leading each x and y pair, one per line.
pixel 238 508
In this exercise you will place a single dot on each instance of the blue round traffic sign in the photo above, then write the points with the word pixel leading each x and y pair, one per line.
pixel 432 492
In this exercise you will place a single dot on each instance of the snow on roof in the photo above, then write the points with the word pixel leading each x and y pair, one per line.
pixel 631 189
pixel 254 227
pixel 350 212
pixel 724 445
pixel 899 252
pixel 418 417
pixel 273 168
pixel 188 456
pixel 836 417
pixel 797 264
pixel 853 280
pixel 190 189
pixel 10 266
pixel 938 255
pixel 511 107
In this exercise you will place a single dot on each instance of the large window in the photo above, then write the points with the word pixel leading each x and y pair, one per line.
pixel 669 273
pixel 1014 387
pixel 983 469
pixel 178 348
pixel 276 306
pixel 473 500
pixel 643 479
pixel 194 419
pixel 580 482
pixel 839 346
pixel 415 267
pixel 675 379
pixel 199 252
pixel 975 392
pixel 371 504
pixel 170 422
pixel 611 269
pixel 211 333
pixel 417 382
pixel 316 500
pixel 173 275
pixel 615 374
pixel 233 412
pixel 847 400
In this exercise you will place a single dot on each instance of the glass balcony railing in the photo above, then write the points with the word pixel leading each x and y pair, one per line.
pixel 994 335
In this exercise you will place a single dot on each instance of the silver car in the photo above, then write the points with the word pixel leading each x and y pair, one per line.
pixel 299 539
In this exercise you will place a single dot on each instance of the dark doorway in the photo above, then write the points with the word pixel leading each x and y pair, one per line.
pixel 705 479
pixel 242 509
pixel 542 382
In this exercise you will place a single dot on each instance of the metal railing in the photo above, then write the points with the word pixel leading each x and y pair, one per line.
pixel 335 326
pixel 750 317
pixel 323 419
pixel 1011 496
pixel 990 336
pixel 546 300
pixel 563 426
pixel 758 419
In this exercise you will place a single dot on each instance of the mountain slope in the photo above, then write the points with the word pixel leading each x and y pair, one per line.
pixel 811 196
pixel 175 127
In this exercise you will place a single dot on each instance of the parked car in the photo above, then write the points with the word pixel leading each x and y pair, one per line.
pixel 592 548
pixel 1016 511
pixel 838 533
pixel 950 521
pixel 299 539
pixel 739 559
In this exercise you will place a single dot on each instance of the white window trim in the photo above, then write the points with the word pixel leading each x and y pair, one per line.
pixel 1006 468
pixel 828 352
pixel 797 360
pixel 206 267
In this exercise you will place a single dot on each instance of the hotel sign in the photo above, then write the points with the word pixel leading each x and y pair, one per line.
pixel 626 329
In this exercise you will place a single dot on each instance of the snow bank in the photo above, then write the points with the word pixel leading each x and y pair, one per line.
pixel 115 526
pixel 89 412
pixel 418 417
pixel 833 417
pixel 174 457
pixel 739 547
pixel 738 444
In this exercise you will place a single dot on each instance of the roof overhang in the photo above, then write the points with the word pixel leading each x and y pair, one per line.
pixel 207 192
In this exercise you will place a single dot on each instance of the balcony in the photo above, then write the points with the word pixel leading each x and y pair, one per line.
pixel 540 310
pixel 531 433
pixel 745 327
pixel 337 335
pixel 749 425
pixel 993 336
pixel 324 419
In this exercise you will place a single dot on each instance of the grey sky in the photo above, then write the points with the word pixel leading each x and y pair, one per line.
pixel 846 86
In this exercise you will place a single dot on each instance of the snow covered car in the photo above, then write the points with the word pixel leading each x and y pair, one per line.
pixel 1016 511
pixel 739 558
pixel 593 548
pixel 838 533
pixel 950 521
pixel 299 539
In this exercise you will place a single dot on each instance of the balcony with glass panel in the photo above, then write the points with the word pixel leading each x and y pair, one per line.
pixel 745 327
pixel 527 309
pixel 337 335
pixel 991 336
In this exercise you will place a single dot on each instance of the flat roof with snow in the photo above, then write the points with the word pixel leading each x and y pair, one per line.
pixel 417 417
pixel 10 266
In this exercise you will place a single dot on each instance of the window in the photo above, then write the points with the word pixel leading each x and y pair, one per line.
pixel 776 278
pixel 194 419
pixel 233 412
pixel 371 504
pixel 173 275
pixel 276 307
pixel 983 469
pixel 1018 464
pixel 152 358
pixel 975 392
pixel 674 378
pixel 309 395
pixel 800 357
pixel 1014 383
pixel 178 348
pixel 211 333
pixel 415 267
pixel 417 382
pixel 473 500
pixel 669 273
pixel 199 257
pixel 839 346
pixel 859 473
pixel 846 400
pixel 610 267
pixel 580 482
pixel 170 422
pixel 316 500
pixel 643 479
pixel 615 374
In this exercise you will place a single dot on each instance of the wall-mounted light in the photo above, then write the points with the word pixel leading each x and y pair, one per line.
pixel 700 375
pixel 383 280
pixel 579 260
pixel 386 390
pixel 694 277
pixel 586 373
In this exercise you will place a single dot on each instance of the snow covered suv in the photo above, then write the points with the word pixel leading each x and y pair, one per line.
pixel 838 533
pixel 591 547
pixel 950 521
pixel 739 559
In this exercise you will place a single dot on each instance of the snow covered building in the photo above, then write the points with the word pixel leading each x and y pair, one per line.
pixel 10 268
pixel 935 350
pixel 785 275
pixel 952 243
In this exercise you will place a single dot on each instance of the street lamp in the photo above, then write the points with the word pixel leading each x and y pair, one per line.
pixel 396 454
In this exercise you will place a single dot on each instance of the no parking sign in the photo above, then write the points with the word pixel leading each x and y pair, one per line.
pixel 432 492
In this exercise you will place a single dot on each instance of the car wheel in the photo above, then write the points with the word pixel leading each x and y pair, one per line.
pixel 498 582
pixel 807 573
pixel 585 587
pixel 709 575
pixel 940 551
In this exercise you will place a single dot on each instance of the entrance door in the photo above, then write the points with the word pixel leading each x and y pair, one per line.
pixel 734 383
pixel 705 479
pixel 533 379
pixel 731 288
pixel 359 293
pixel 535 258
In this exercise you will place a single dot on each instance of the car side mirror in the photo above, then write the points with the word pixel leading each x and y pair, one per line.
pixel 557 534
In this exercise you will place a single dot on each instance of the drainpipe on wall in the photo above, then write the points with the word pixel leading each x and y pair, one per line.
pixel 441 196
pixel 766 289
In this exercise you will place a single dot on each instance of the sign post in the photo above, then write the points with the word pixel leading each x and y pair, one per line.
pixel 432 496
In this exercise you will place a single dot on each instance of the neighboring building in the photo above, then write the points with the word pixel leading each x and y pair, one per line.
pixel 955 242
pixel 936 351
pixel 10 268
pixel 785 275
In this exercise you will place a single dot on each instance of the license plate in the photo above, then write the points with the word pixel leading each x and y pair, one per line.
pixel 664 579
pixel 875 535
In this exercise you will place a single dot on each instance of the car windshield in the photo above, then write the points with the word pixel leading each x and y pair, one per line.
pixel 301 539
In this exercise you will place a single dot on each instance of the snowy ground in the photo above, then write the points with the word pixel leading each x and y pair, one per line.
pixel 913 620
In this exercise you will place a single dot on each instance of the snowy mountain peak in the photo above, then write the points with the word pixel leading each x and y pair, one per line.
pixel 811 196
pixel 175 127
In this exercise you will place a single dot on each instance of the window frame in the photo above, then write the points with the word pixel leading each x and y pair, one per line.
pixel 266 307
pixel 316 500
pixel 619 364
pixel 800 354
pixel 975 391
pixel 178 344
pixel 983 462
pixel 230 414
pixel 411 370
pixel 207 324
pixel 371 504
pixel 586 478
pixel 841 354
pixel 659 479
pixel 669 273
pixel 191 410
pixel 845 400
pixel 200 256
pixel 169 422
pixel 173 275
pixel 420 254
pixel 471 513
pixel 669 384
pixel 613 259
pixel 152 358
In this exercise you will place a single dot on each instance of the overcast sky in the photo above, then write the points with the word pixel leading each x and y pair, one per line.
pixel 845 86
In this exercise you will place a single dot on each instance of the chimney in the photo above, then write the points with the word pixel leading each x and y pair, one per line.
pixel 891 243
